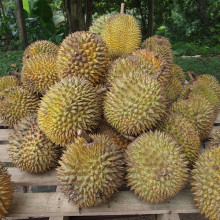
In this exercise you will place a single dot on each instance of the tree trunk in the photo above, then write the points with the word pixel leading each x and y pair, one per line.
pixel 150 17
pixel 88 12
pixel 75 15
pixel 202 6
pixel 143 18
pixel 21 22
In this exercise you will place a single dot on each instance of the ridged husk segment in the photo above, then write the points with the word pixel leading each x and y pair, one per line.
pixel 206 183
pixel 29 148
pixel 160 45
pixel 158 63
pixel 178 72
pixel 16 103
pixel 215 139
pixel 112 134
pixel 98 24
pixel 83 54
pixel 39 73
pixel 69 105
pixel 203 90
pixel 198 111
pixel 6 191
pixel 40 47
pixel 157 168
pixel 135 103
pixel 126 64
pixel 174 88
pixel 184 133
pixel 90 172
pixel 211 82
pixel 122 34
pixel 8 82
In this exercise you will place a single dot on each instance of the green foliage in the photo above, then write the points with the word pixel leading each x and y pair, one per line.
pixel 10 61
pixel 206 65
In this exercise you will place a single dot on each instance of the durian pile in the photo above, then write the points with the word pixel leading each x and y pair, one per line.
pixel 107 110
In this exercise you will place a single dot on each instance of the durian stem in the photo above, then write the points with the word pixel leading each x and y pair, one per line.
pixel 122 8
pixel 102 90
pixel 15 74
pixel 130 138
pixel 187 93
pixel 160 72
pixel 84 135
pixel 190 74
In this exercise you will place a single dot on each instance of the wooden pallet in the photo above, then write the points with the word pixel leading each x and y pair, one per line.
pixel 56 206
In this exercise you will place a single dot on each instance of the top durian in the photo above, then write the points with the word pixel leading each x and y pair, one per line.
pixel 122 35
pixel 83 54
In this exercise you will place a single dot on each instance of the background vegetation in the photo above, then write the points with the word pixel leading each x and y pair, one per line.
pixel 192 26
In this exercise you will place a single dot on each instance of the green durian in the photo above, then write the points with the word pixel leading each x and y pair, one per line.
pixel 30 149
pixel 157 168
pixel 69 105
pixel 134 103
pixel 83 54
pixel 206 183
pixel 6 191
pixel 90 172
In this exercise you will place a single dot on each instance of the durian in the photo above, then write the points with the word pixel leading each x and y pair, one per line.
pixel 211 82
pixel 173 89
pixel 39 73
pixel 8 82
pixel 124 65
pixel 160 45
pixel 198 111
pixel 16 103
pixel 184 133
pixel 122 34
pixel 157 169
pixel 98 24
pixel 6 191
pixel 158 63
pixel 69 105
pixel 30 149
pixel 120 141
pixel 90 172
pixel 215 139
pixel 83 54
pixel 40 47
pixel 203 90
pixel 206 183
pixel 178 72
pixel 135 103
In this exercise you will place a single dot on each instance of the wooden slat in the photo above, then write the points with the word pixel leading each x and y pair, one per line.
pixel 4 134
pixel 123 203
pixel 217 121
pixel 22 178
pixel 173 216
pixel 4 153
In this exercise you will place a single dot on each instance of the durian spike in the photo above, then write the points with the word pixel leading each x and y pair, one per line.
pixel 130 138
pixel 160 72
pixel 105 89
pixel 122 8
pixel 187 93
pixel 190 74
pixel 84 135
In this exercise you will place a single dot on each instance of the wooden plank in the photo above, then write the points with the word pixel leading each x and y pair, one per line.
pixel 171 216
pixel 4 157
pixel 122 203
pixel 22 178
pixel 4 134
